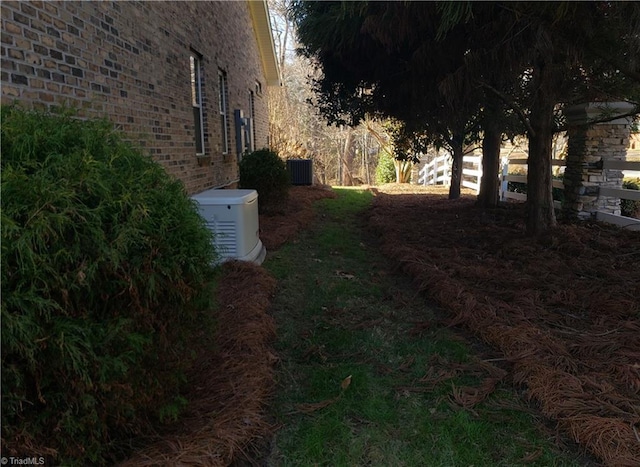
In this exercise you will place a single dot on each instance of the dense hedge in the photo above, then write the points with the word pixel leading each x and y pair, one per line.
pixel 103 255
pixel 265 172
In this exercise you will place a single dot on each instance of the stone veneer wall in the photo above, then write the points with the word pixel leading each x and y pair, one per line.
pixel 129 61
pixel 588 145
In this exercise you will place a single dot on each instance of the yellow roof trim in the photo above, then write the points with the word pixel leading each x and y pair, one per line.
pixel 262 28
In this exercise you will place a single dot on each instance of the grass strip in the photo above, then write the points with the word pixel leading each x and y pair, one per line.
pixel 368 376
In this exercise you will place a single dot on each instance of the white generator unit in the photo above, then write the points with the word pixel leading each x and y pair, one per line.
pixel 232 216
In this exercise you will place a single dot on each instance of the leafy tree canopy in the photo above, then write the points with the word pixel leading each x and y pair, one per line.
pixel 453 69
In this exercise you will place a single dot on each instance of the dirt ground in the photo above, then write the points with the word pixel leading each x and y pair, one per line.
pixel 563 310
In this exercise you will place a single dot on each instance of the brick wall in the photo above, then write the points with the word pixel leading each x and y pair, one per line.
pixel 129 61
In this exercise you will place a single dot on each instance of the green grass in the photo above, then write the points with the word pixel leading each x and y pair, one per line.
pixel 340 312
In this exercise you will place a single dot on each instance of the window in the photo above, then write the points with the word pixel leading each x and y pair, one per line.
pixel 224 110
pixel 195 65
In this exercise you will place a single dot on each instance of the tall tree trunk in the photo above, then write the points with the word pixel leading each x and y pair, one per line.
pixel 540 213
pixel 573 173
pixel 489 184
pixel 456 167
pixel 346 160
pixel 365 154
pixel 488 196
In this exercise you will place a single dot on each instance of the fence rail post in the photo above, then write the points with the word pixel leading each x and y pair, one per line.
pixel 504 184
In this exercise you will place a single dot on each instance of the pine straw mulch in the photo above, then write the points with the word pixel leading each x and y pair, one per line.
pixel 283 223
pixel 230 389
pixel 563 310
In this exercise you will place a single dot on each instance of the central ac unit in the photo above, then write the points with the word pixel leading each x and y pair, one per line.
pixel 232 216
pixel 301 171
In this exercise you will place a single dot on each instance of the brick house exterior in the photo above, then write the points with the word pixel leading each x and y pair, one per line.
pixel 169 74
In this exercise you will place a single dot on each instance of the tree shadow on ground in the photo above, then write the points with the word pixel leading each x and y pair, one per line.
pixel 564 310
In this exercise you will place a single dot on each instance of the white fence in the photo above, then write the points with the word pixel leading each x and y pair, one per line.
pixel 438 172
pixel 505 194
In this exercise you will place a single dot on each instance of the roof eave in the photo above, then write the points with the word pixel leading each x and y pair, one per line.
pixel 262 28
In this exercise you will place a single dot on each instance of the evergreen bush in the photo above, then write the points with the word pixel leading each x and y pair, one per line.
pixel 386 169
pixel 102 256
pixel 266 173
pixel 629 207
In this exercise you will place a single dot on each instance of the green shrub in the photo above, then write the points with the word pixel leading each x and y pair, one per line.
pixel 266 173
pixel 629 207
pixel 102 256
pixel 386 169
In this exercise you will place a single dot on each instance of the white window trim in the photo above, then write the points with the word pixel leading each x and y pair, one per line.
pixel 223 109
pixel 195 69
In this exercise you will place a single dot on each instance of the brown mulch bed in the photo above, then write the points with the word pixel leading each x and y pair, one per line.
pixel 563 310
pixel 230 388
pixel 284 222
